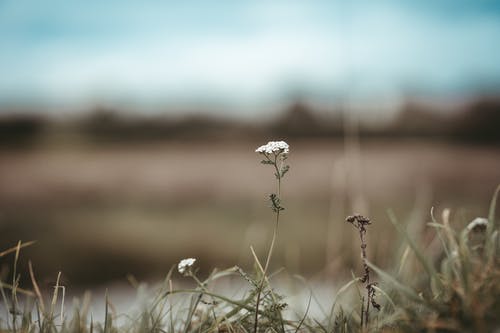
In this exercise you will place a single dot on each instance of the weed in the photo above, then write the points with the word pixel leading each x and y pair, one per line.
pixel 360 222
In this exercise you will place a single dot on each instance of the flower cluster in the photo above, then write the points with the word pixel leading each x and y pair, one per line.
pixel 185 265
pixel 274 147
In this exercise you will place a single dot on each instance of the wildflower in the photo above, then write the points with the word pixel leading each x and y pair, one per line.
pixel 274 147
pixel 185 265
pixel 478 224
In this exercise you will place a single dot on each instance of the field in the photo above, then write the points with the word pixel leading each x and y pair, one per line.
pixel 144 207
pixel 99 214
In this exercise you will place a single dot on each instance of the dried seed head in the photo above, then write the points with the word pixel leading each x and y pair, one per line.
pixel 358 220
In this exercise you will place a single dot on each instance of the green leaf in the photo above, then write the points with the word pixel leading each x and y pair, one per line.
pixel 284 170
pixel 275 203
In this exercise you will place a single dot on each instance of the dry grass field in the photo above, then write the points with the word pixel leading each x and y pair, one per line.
pixel 138 209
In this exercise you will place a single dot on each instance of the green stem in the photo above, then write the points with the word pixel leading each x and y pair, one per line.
pixel 271 247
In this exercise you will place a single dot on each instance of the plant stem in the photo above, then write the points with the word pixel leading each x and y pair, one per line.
pixel 271 247
pixel 366 276
pixel 360 223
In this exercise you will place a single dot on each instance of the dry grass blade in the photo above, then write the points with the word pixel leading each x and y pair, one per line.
pixel 25 292
pixel 54 297
pixel 35 287
pixel 493 205
pixel 15 248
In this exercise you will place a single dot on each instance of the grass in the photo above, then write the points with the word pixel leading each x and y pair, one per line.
pixel 444 281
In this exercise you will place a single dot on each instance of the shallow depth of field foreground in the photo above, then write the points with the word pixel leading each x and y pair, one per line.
pixel 443 279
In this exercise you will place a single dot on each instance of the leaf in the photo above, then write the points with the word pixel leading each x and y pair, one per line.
pixel 284 170
pixel 275 203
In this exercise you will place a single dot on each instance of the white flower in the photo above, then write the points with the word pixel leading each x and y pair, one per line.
pixel 185 264
pixel 479 223
pixel 273 147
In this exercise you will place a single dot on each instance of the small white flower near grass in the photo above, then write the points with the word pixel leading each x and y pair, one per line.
pixel 478 224
pixel 185 265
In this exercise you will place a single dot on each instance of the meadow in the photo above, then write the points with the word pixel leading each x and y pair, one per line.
pixel 107 214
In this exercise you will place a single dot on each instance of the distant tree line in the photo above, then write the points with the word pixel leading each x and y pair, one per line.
pixel 477 122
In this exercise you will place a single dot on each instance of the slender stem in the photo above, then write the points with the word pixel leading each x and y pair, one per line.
pixel 275 231
pixel 362 312
pixel 360 223
pixel 366 277
pixel 273 241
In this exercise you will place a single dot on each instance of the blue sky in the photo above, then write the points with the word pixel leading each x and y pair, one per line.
pixel 243 53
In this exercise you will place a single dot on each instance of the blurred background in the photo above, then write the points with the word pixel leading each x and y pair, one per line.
pixel 128 129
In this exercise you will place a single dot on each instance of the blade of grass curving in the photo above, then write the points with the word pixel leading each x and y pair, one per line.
pixel 25 292
pixel 493 243
pixel 492 225
pixel 451 235
pixel 340 292
pixel 227 272
pixel 243 305
pixel 403 259
pixel 54 298
pixel 15 281
pixel 259 288
pixel 6 303
pixel 265 280
pixel 493 205
pixel 429 268
pixel 311 291
pixel 35 287
pixel 14 249
pixel 465 265
pixel 161 311
pixel 380 290
pixel 305 314
pixel 170 306
pixel 257 261
pixel 439 228
pixel 408 292
pixel 321 326
pixel 237 309
pixel 193 304
pixel 167 283
pixel 106 312
pixel 63 288
pixel 39 319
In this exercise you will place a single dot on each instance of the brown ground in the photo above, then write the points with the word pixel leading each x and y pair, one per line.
pixel 99 213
